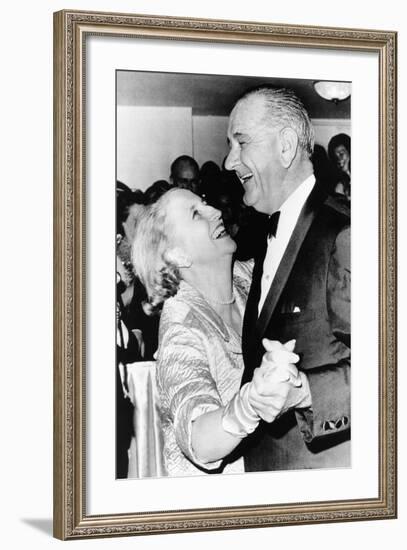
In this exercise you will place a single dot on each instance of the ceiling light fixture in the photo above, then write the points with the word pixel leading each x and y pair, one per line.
pixel 333 91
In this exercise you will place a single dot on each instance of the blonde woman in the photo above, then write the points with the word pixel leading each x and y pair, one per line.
pixel 183 256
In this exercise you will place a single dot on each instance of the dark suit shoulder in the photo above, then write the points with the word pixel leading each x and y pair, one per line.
pixel 338 205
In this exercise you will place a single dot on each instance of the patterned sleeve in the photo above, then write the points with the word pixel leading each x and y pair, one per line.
pixel 186 384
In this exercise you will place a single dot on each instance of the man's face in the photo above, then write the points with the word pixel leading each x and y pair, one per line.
pixel 342 158
pixel 186 177
pixel 254 155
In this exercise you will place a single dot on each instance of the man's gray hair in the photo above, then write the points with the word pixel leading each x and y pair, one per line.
pixel 285 109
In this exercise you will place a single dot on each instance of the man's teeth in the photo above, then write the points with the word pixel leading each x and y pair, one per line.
pixel 246 177
pixel 219 232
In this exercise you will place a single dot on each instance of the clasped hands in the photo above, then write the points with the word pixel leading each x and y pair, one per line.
pixel 277 385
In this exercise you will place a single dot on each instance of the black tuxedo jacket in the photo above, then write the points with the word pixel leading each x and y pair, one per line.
pixel 309 300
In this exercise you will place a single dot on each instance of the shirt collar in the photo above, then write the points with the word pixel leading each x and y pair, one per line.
pixel 291 208
pixel 297 199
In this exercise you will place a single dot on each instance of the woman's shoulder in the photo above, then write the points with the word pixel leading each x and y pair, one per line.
pixel 182 308
pixel 189 310
pixel 243 271
pixel 175 309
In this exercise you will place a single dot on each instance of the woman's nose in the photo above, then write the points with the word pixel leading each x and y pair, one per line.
pixel 213 213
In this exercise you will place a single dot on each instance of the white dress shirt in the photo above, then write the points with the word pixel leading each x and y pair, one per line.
pixel 276 246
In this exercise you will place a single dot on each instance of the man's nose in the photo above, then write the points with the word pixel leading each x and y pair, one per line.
pixel 232 159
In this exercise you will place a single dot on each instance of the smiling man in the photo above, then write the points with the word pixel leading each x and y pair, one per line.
pixel 301 280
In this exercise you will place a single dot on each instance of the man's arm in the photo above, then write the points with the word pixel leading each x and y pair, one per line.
pixel 330 384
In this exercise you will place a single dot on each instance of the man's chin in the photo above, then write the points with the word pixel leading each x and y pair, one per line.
pixel 248 199
pixel 258 205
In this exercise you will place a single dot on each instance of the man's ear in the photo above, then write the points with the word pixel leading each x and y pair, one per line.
pixel 177 257
pixel 289 146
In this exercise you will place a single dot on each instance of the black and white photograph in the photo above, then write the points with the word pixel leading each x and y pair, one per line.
pixel 233 274
pixel 206 174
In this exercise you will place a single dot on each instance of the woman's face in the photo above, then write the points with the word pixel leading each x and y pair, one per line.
pixel 197 229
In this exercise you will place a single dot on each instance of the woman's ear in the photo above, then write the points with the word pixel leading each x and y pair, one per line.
pixel 177 257
pixel 289 145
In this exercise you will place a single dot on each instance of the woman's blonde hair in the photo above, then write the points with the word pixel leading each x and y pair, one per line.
pixel 151 263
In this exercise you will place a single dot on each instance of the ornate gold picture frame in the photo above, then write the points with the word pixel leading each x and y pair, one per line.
pixel 72 518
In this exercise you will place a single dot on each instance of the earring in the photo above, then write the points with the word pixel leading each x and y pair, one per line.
pixel 177 257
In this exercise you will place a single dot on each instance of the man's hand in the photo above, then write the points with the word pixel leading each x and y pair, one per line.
pixel 281 357
pixel 277 386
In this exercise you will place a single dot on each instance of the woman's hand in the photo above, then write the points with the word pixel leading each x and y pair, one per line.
pixel 279 361
pixel 277 386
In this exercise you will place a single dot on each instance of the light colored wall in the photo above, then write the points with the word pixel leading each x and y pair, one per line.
pixel 209 135
pixel 148 140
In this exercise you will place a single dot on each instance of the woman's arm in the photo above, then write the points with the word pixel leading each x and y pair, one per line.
pixel 210 442
pixel 186 386
pixel 207 430
pixel 276 386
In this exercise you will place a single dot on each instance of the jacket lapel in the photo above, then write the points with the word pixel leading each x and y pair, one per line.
pixel 251 311
pixel 304 222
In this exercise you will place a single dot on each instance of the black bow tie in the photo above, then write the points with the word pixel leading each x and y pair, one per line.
pixel 273 224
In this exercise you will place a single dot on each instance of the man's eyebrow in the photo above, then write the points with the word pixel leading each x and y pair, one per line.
pixel 240 135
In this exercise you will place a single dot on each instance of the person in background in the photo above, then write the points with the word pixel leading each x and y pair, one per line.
pixel 128 206
pixel 301 280
pixel 223 196
pixel 184 174
pixel 210 175
pixel 129 344
pixel 143 330
pixel 323 168
pixel 339 152
pixel 154 192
